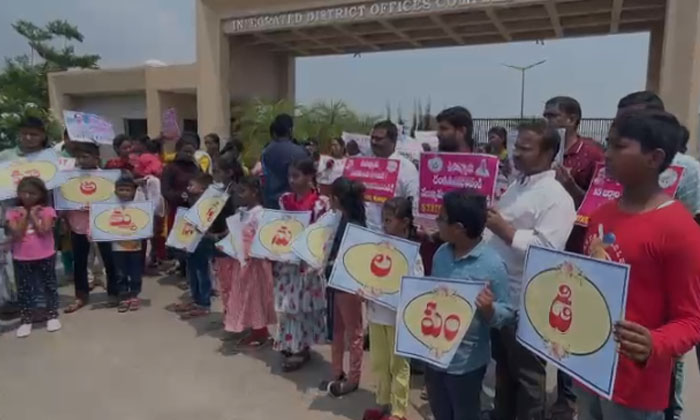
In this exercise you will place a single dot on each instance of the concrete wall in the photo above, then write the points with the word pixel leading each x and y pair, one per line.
pixel 257 73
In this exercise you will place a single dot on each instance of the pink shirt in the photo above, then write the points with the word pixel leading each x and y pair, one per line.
pixel 33 246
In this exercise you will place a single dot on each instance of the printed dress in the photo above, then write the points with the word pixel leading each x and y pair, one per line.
pixel 246 288
pixel 300 297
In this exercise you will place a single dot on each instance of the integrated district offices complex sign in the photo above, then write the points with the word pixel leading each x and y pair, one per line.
pixel 348 13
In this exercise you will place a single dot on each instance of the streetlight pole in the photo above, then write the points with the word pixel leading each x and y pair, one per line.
pixel 522 71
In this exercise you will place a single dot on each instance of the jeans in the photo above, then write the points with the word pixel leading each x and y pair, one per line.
pixel 520 378
pixel 30 275
pixel 81 249
pixel 198 273
pixel 454 397
pixel 129 266
pixel 593 407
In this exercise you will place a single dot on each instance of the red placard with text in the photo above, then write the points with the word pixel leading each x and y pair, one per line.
pixel 444 172
pixel 379 176
pixel 604 189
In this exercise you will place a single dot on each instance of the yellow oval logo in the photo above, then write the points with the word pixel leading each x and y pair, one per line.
pixel 316 241
pixel 568 311
pixel 122 221
pixel 277 236
pixel 210 208
pixel 438 319
pixel 377 267
pixel 10 176
pixel 184 231
pixel 89 189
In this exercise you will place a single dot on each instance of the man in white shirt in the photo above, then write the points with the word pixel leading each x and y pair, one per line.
pixel 534 210
pixel 383 142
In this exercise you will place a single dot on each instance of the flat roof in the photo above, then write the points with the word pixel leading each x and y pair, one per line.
pixel 407 24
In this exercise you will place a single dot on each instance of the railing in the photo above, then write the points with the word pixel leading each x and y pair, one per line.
pixel 595 128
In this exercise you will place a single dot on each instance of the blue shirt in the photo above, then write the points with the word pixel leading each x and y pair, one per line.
pixel 276 158
pixel 482 264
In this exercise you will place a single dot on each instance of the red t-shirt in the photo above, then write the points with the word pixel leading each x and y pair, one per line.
pixel 662 248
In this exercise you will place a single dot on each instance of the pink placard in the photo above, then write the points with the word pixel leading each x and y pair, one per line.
pixel 379 176
pixel 171 129
pixel 444 172
pixel 604 189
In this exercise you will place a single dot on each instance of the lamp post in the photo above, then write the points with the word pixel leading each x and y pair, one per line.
pixel 522 71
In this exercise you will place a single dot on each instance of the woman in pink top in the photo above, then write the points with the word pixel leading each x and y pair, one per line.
pixel 33 252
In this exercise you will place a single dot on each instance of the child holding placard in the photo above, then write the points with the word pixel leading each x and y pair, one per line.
pixel 393 373
pixel 347 197
pixel 249 299
pixel 33 255
pixel 454 393
pixel 128 257
pixel 299 290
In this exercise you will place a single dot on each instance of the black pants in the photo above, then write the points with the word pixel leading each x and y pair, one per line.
pixel 129 265
pixel 454 397
pixel 520 378
pixel 30 275
pixel 81 249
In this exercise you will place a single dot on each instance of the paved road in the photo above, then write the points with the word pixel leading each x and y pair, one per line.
pixel 149 365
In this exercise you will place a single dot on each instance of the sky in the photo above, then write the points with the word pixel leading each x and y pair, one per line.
pixel 596 70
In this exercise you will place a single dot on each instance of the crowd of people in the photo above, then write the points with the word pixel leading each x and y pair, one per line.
pixel 656 235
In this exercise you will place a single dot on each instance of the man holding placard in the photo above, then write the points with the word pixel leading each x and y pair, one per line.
pixel 534 210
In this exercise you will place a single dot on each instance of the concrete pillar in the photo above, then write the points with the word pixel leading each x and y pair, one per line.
pixel 656 48
pixel 680 65
pixel 213 93
pixel 154 112
pixel 258 73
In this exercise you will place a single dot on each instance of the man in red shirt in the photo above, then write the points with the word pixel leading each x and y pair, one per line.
pixel 581 155
pixel 660 241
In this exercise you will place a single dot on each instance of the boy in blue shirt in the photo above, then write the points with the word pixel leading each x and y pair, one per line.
pixel 454 393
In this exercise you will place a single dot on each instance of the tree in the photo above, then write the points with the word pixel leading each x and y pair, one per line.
pixel 24 81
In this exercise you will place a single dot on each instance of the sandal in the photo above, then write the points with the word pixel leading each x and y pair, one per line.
pixel 77 304
pixel 123 306
pixel 254 342
pixel 294 362
pixel 340 388
pixel 323 386
pixel 134 304
pixel 180 307
pixel 197 312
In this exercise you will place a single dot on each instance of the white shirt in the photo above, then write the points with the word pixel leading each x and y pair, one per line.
pixel 543 214
pixel 689 186
pixel 381 315
pixel 406 186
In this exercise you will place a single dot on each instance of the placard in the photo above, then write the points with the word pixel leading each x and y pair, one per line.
pixel 314 243
pixel 184 235
pixel 364 142
pixel 171 128
pixel 207 208
pixel 374 263
pixel 43 164
pixel 276 232
pixel 444 172
pixel 111 222
pixel 232 243
pixel 90 128
pixel 433 317
pixel 568 308
pixel 66 164
pixel 82 188
pixel 604 189
pixel 378 175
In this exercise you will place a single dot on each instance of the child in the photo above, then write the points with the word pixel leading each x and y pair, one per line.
pixel 658 238
pixel 128 257
pixel 247 288
pixel 198 273
pixel 299 290
pixel 87 157
pixel 392 372
pixel 453 393
pixel 347 197
pixel 33 254
pixel 123 147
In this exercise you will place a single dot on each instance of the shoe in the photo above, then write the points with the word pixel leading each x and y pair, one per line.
pixel 123 306
pixel 339 388
pixel 53 325
pixel 24 330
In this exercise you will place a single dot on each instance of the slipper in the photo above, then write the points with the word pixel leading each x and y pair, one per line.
pixel 79 303
pixel 338 388
pixel 197 312
pixel 323 386
pixel 123 306
pixel 134 304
